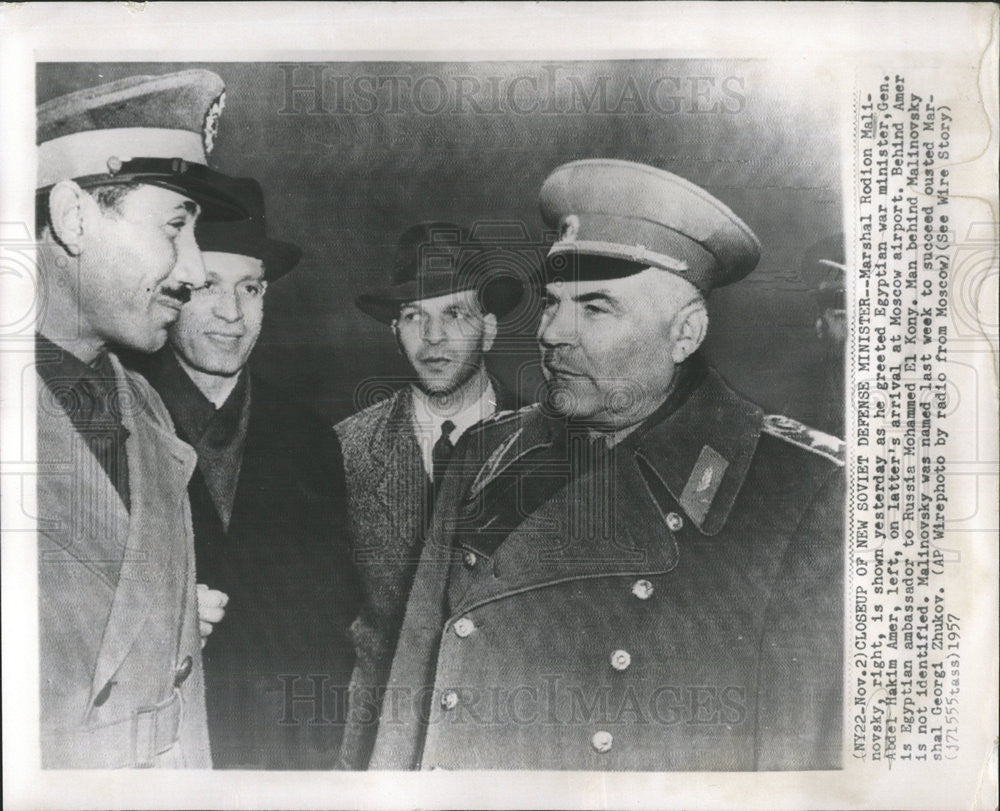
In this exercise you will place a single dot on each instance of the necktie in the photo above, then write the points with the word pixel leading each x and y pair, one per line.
pixel 441 452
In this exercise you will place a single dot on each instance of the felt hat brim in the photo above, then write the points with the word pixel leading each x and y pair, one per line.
pixel 278 257
pixel 497 296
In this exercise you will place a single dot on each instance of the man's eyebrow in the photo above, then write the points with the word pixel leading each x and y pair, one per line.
pixel 597 295
pixel 190 207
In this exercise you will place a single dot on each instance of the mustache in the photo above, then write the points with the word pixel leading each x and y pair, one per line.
pixel 181 293
pixel 551 360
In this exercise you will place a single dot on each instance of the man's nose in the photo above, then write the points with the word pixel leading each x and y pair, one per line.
pixel 557 328
pixel 433 330
pixel 190 267
pixel 226 305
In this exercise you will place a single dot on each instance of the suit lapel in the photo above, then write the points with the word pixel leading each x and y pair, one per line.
pixel 397 458
pixel 160 465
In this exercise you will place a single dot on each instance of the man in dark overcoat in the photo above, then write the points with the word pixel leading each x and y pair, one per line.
pixel 644 571
pixel 269 513
pixel 442 306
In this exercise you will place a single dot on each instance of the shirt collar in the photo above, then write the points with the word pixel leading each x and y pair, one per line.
pixel 428 420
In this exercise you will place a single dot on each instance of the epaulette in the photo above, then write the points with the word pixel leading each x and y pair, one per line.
pixel 501 417
pixel 805 437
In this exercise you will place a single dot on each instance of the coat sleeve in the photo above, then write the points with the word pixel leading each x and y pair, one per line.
pixel 800 691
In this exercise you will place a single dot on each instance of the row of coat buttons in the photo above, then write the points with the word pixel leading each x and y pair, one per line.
pixel 620 660
pixel 674 522
pixel 602 740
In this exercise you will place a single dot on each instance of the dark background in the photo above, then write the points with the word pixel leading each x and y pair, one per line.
pixel 350 163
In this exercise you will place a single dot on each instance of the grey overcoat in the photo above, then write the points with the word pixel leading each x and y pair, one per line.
pixel 121 682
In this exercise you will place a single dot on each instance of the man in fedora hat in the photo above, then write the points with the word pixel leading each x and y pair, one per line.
pixel 442 307
pixel 269 512
pixel 645 571
pixel 122 179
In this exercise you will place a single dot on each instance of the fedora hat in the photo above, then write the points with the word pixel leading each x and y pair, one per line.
pixel 247 237
pixel 437 259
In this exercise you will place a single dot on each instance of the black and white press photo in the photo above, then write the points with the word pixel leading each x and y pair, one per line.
pixel 392 419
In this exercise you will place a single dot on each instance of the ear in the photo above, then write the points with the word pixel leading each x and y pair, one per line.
pixel 70 208
pixel 489 331
pixel 394 326
pixel 688 329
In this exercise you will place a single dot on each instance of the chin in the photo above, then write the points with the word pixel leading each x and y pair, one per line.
pixel 439 388
pixel 225 368
pixel 568 400
pixel 145 343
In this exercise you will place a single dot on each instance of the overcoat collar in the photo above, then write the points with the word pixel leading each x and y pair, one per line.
pixel 601 524
pixel 702 451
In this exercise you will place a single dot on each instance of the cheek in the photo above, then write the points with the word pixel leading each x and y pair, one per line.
pixel 628 357
pixel 253 319
pixel 409 341
pixel 149 254
pixel 193 320
pixel 608 351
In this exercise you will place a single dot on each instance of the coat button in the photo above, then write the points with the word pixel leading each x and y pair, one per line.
pixel 602 741
pixel 621 659
pixel 183 671
pixel 470 560
pixel 674 522
pixel 464 627
pixel 642 589
pixel 449 700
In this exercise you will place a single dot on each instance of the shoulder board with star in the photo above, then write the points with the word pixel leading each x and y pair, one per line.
pixel 501 417
pixel 805 437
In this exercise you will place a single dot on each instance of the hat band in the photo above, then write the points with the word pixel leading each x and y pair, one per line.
pixel 633 253
pixel 87 153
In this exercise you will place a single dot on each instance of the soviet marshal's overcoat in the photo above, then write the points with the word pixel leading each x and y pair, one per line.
pixel 120 658
pixel 388 508
pixel 674 604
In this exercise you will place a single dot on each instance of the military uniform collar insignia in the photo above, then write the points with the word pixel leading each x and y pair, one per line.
pixel 488 472
pixel 793 431
pixel 530 430
pixel 702 451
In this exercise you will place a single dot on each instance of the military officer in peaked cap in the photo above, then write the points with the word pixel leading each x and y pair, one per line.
pixel 122 179
pixel 644 571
